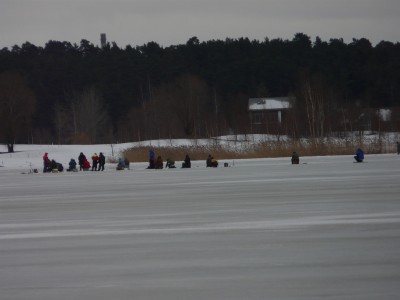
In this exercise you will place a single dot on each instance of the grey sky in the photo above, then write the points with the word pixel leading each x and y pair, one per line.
pixel 171 22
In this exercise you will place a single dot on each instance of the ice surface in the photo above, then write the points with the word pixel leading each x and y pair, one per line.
pixel 259 229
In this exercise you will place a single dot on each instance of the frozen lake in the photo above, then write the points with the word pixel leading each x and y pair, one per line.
pixel 328 228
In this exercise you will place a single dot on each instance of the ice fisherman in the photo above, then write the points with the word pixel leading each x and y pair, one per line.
pixel 208 161
pixel 72 166
pixel 186 163
pixel 159 163
pixel 81 161
pixel 85 165
pixel 170 164
pixel 102 161
pixel 121 164
pixel 211 162
pixel 46 163
pixel 359 157
pixel 151 159
pixel 95 161
pixel 295 158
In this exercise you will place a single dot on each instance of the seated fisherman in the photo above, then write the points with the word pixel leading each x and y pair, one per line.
pixel 170 164
pixel 295 158
pixel 186 163
pixel 359 157
pixel 214 162
pixel 159 163
pixel 72 166
pixel 121 164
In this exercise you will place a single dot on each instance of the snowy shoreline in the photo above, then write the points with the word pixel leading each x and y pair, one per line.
pixel 28 157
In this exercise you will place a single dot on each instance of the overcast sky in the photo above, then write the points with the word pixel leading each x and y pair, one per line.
pixel 172 22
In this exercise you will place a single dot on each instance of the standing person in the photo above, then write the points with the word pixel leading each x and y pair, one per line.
pixel 81 161
pixel 398 148
pixel 151 159
pixel 95 160
pixel 208 161
pixel 102 162
pixel 46 163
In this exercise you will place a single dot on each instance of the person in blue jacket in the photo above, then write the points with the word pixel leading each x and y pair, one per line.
pixel 121 164
pixel 151 159
pixel 359 157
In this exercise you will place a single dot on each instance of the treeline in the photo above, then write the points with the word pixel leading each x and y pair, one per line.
pixel 69 93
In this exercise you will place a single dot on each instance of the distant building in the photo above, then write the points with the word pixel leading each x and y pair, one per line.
pixel 103 40
pixel 268 114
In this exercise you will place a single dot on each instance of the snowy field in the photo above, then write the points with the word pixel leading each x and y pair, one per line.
pixel 259 229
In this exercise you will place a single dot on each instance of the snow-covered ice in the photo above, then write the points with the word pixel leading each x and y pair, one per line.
pixel 259 229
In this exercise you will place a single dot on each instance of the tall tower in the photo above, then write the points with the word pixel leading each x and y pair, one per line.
pixel 103 39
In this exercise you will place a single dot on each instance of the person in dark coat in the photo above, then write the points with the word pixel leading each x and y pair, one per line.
pixel 295 158
pixel 102 162
pixel 359 157
pixel 127 163
pixel 170 164
pixel 186 163
pixel 159 163
pixel 398 148
pixel 60 167
pixel 81 161
pixel 208 161
pixel 53 165
pixel 72 166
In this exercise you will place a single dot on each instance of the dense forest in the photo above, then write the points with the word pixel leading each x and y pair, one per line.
pixel 69 93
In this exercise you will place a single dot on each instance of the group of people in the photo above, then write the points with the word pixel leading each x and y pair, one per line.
pixel 98 162
pixel 158 163
pixel 51 165
pixel 359 157
pixel 211 162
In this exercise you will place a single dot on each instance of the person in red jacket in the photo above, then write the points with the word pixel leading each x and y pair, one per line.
pixel 46 163
pixel 95 160
pixel 86 165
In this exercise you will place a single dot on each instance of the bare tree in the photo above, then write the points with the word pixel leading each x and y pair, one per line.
pixel 316 98
pixel 187 97
pixel 17 104
pixel 88 116
pixel 60 121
